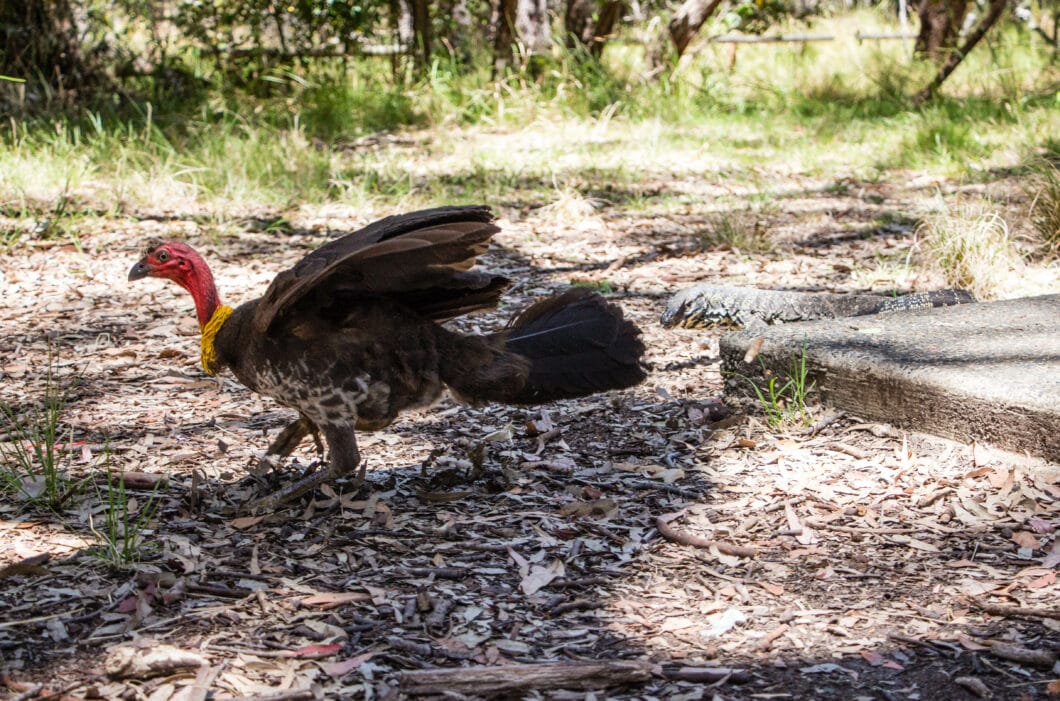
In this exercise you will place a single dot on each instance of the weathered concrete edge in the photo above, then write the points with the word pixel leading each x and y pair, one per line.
pixel 870 391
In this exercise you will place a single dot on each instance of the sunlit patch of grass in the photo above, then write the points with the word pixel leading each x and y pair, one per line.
pixel 459 135
pixel 972 247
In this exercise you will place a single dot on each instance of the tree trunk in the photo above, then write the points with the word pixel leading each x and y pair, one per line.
pixel 401 18
pixel 525 20
pixel 940 25
pixel 504 38
pixel 40 43
pixel 421 29
pixel 578 24
pixel 589 23
pixel 687 21
pixel 532 25
pixel 457 29
pixel 954 59
pixel 610 14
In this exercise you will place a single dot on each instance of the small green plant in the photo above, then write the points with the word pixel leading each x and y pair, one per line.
pixel 52 225
pixel 604 286
pixel 122 536
pixel 33 457
pixel 784 401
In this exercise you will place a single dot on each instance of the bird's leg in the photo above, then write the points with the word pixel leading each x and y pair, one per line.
pixel 345 459
pixel 285 444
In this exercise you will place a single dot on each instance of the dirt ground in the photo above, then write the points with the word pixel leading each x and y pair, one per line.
pixel 848 560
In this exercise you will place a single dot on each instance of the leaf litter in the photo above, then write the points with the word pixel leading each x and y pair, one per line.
pixel 655 542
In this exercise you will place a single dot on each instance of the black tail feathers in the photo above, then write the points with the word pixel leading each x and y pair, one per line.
pixel 570 345
pixel 577 344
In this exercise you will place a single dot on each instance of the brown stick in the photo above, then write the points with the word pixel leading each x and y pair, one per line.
pixel 767 641
pixel 290 695
pixel 674 536
pixel 516 677
pixel 1003 610
pixel 705 675
pixel 28 693
pixel 1014 653
pixel 813 523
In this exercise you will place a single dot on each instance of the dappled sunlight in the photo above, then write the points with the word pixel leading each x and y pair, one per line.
pixel 693 536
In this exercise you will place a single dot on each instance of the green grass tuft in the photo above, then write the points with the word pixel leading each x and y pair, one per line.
pixel 784 400
pixel 33 460
pixel 122 535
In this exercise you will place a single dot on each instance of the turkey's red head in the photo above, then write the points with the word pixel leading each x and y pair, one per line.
pixel 171 260
pixel 180 263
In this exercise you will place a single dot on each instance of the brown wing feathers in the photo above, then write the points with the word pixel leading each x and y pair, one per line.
pixel 420 259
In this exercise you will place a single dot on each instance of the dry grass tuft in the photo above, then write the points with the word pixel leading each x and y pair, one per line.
pixel 971 245
pixel 744 230
pixel 571 209
pixel 1043 187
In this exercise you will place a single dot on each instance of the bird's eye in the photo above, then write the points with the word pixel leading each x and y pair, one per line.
pixel 162 256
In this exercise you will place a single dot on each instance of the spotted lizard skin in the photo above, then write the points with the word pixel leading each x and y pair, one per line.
pixel 706 306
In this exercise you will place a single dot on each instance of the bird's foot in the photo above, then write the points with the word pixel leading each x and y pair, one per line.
pixel 285 444
pixel 267 465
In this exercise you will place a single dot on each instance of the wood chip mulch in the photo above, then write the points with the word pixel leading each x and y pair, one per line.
pixel 662 542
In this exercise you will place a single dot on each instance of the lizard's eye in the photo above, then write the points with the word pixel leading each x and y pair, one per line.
pixel 162 256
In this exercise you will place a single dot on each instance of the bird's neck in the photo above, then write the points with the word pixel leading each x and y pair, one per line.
pixel 199 283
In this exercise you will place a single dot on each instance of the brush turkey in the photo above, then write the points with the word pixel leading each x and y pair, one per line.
pixel 351 335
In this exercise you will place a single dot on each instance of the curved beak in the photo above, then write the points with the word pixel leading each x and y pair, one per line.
pixel 141 270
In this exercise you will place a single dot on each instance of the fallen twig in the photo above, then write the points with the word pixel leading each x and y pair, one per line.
pixel 509 678
pixel 674 536
pixel 937 647
pixel 846 449
pixel 777 506
pixel 576 605
pixel 1043 659
pixel 1017 611
pixel 290 695
pixel 769 638
pixel 28 693
pixel 37 619
pixel 703 675
pixel 814 523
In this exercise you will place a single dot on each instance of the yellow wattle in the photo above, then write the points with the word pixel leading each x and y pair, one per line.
pixel 209 331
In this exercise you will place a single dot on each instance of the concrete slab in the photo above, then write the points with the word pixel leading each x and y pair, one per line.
pixel 988 372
